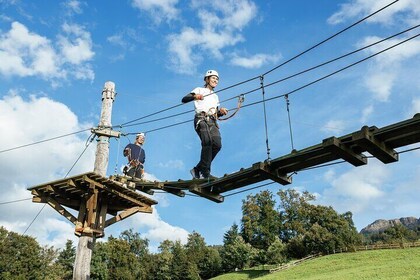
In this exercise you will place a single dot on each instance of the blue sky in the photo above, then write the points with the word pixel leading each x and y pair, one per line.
pixel 55 57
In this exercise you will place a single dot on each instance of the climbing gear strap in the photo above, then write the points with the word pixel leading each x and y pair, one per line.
pixel 241 99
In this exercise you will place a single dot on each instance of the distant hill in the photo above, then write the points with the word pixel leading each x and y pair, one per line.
pixel 381 225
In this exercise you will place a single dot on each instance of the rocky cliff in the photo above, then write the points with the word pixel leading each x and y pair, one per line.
pixel 382 225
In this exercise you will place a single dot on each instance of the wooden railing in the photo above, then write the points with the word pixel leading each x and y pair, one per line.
pixel 354 249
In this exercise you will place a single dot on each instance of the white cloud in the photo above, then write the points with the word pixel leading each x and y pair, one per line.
pixel 334 126
pixel 152 227
pixel 158 9
pixel 76 46
pixel 415 107
pixel 221 25
pixel 74 6
pixel 366 113
pixel 384 72
pixel 255 61
pixel 407 10
pixel 357 189
pixel 24 53
pixel 173 164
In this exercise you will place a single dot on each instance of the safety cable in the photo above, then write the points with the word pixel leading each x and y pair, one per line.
pixel 45 140
pixel 329 75
pixel 265 118
pixel 286 97
pixel 301 87
pixel 13 201
pixel 118 156
pixel 290 76
pixel 329 38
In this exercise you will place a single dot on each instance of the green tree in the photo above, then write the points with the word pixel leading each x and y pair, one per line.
pixel 309 228
pixel 260 220
pixel 20 256
pixel 236 255
pixel 276 252
pixel 230 236
pixel 181 266
pixel 66 259
pixel 99 262
pixel 122 263
pixel 293 211
pixel 206 259
pixel 161 262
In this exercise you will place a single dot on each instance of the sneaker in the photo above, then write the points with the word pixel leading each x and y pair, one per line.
pixel 195 173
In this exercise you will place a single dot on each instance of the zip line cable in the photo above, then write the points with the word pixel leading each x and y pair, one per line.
pixel 278 66
pixel 290 76
pixel 301 87
pixel 329 38
pixel 329 75
pixel 13 201
pixel 90 140
pixel 45 140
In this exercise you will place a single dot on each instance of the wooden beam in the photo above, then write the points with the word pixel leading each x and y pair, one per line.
pixel 122 195
pixel 366 139
pixel 204 192
pixel 127 213
pixel 57 207
pixel 335 146
pixel 101 217
pixel 266 171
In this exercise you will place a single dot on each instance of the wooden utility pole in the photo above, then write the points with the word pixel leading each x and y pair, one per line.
pixel 87 240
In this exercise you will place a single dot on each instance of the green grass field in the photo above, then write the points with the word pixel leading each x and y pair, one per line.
pixel 395 264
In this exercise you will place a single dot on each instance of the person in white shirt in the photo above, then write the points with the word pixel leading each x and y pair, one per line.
pixel 206 104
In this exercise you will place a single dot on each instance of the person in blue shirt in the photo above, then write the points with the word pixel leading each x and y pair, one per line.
pixel 136 157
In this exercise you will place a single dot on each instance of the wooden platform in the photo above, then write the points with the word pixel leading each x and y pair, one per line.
pixel 379 142
pixel 94 197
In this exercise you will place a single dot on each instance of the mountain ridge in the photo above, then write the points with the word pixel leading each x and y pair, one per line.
pixel 381 225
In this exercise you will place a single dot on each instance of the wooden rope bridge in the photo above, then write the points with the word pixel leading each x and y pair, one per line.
pixel 95 197
pixel 379 142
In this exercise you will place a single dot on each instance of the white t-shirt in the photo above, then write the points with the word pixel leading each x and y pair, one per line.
pixel 210 102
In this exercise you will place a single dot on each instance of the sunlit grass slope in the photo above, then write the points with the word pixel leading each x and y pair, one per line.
pixel 396 264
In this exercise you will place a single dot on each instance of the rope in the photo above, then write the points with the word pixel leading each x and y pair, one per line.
pixel 265 118
pixel 118 156
pixel 241 99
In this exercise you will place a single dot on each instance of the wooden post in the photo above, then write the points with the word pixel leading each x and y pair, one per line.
pixel 83 259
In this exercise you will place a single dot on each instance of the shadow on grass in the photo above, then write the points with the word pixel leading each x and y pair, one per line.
pixel 250 274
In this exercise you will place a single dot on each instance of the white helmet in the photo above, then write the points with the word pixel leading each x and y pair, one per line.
pixel 211 73
pixel 141 134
